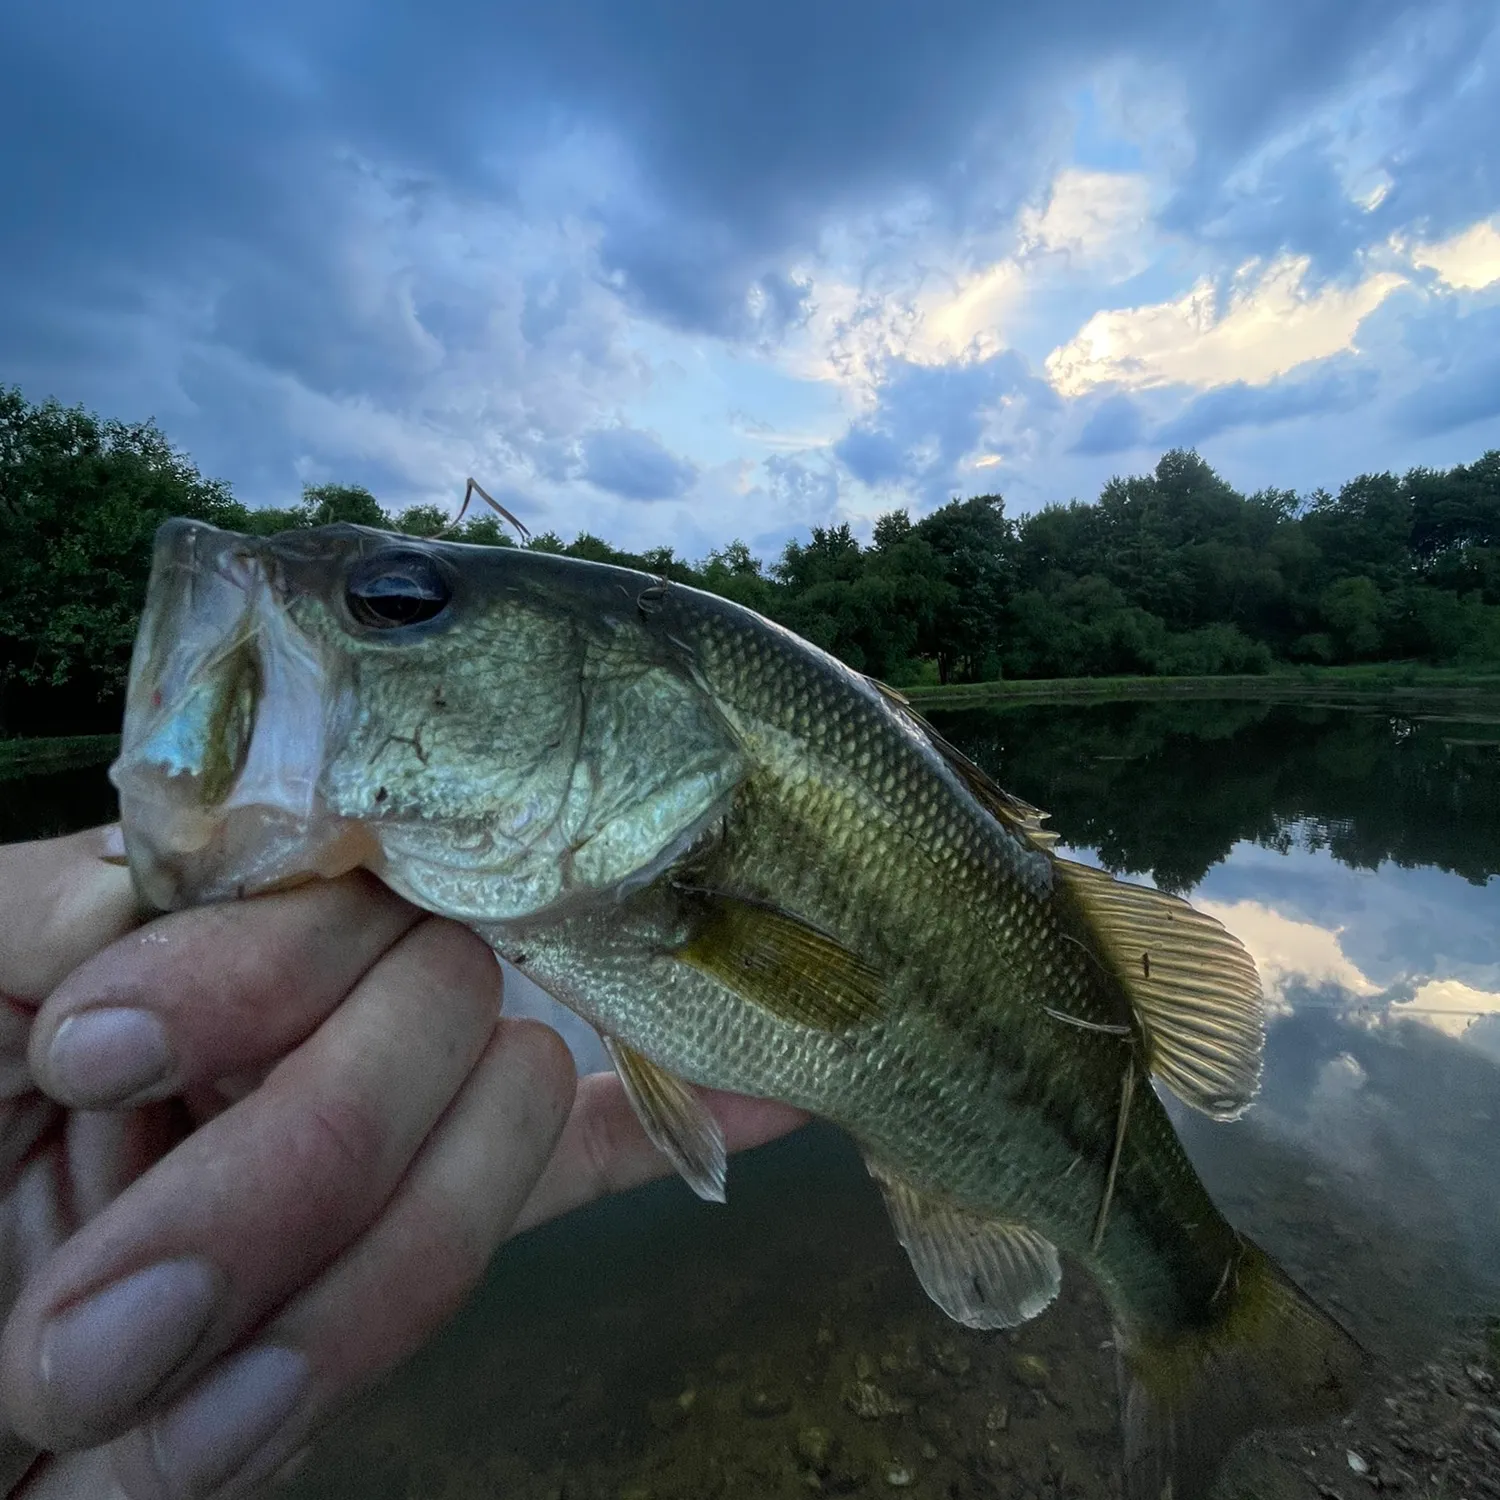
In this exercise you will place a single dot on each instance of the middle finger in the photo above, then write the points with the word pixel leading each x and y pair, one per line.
pixel 221 1232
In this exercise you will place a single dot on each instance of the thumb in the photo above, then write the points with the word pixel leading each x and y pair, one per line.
pixel 60 903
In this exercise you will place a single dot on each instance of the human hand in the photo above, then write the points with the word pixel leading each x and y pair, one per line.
pixel 201 1265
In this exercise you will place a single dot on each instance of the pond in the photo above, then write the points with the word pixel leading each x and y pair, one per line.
pixel 657 1348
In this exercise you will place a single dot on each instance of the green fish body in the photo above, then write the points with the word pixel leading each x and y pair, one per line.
pixel 752 869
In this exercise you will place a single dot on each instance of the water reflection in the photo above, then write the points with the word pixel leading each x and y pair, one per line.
pixel 1354 854
pixel 1171 788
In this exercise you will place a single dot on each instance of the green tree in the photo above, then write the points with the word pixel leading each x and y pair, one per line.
pixel 1353 611
pixel 972 539
pixel 734 572
pixel 324 504
pixel 80 500
pixel 423 520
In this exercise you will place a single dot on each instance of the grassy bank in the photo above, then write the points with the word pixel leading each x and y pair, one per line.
pixel 23 757
pixel 1390 682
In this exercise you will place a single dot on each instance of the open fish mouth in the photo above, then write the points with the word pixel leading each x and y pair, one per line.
pixel 217 798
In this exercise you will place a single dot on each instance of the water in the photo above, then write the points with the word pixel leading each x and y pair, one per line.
pixel 655 1348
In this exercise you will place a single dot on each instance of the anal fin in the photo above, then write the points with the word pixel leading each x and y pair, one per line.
pixel 984 1273
pixel 677 1121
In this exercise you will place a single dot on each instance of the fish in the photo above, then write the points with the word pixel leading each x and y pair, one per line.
pixel 753 869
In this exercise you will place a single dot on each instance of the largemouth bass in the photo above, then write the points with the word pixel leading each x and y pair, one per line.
pixel 751 868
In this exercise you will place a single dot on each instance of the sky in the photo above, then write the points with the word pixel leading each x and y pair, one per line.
pixel 676 274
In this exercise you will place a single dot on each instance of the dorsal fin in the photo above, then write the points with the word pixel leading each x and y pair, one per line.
pixel 1191 983
pixel 1011 810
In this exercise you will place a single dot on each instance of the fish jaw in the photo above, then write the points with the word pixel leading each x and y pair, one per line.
pixel 218 797
pixel 528 751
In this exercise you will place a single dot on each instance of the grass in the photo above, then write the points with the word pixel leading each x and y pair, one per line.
pixel 31 757
pixel 1383 680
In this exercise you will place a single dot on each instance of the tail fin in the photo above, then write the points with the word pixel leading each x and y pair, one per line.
pixel 1273 1359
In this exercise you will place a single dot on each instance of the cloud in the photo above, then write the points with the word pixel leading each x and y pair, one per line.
pixel 1457 370
pixel 634 465
pixel 462 245
pixel 1450 1005
pixel 1373 133
pixel 1340 388
pixel 1289 952
pixel 1115 424
pixel 1093 218
pixel 929 419
pixel 1272 324
pixel 805 487
pixel 1468 260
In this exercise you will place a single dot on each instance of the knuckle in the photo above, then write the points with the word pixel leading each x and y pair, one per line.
pixel 344 1135
pixel 608 1139
pixel 551 1078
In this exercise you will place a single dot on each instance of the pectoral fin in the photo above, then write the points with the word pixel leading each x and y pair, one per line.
pixel 782 964
pixel 677 1121
pixel 984 1273
pixel 1193 987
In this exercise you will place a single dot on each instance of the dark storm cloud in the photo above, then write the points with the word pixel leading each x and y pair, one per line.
pixel 188 210
pixel 1429 135
pixel 1341 386
pixel 634 465
pixel 739 127
pixel 1115 424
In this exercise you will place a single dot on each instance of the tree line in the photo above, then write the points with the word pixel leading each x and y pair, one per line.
pixel 1172 572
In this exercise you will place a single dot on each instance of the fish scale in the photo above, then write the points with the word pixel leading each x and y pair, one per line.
pixel 816 862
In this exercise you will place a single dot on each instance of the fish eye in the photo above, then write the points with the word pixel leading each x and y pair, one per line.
pixel 395 589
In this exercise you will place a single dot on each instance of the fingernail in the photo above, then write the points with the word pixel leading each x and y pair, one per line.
pixel 102 1358
pixel 109 1056
pixel 235 1424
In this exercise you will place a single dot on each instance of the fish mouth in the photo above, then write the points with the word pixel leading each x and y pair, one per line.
pixel 228 717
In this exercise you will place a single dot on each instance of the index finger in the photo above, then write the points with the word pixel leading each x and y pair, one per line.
pixel 60 903
pixel 202 994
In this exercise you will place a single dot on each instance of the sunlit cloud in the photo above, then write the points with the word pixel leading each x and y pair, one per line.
pixel 1288 952
pixel 1450 1005
pixel 1096 219
pixel 1467 261
pixel 1272 323
pixel 969 322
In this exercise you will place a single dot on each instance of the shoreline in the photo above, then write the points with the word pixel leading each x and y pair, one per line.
pixel 32 757
pixel 1330 685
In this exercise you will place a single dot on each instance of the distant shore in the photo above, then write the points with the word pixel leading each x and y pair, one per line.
pixel 1437 686
pixel 31 757
pixel 1332 685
